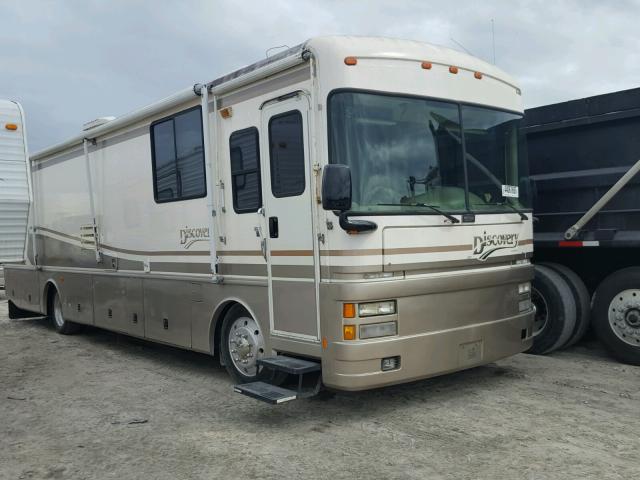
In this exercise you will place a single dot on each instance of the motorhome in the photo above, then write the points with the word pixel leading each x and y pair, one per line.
pixel 14 184
pixel 352 212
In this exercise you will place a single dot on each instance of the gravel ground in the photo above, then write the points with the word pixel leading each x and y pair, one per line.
pixel 100 405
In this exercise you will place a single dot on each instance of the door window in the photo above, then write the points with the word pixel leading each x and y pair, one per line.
pixel 245 170
pixel 286 154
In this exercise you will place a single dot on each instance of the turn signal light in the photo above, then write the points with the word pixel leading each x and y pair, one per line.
pixel 11 126
pixel 350 61
pixel 349 310
pixel 349 332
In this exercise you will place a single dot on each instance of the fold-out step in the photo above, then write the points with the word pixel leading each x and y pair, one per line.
pixel 295 366
pixel 266 392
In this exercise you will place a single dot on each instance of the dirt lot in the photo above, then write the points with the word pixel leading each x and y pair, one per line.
pixel 99 405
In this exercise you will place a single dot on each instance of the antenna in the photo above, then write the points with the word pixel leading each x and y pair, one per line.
pixel 459 44
pixel 493 41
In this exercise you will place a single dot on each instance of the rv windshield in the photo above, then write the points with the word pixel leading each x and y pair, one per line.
pixel 406 151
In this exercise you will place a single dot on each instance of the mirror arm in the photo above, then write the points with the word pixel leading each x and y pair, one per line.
pixel 356 226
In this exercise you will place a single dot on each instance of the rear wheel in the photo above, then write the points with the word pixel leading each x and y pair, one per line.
pixel 65 327
pixel 581 297
pixel 555 311
pixel 616 314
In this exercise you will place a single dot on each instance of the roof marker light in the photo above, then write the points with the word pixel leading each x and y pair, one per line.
pixel 426 65
pixel 11 126
pixel 453 69
pixel 478 75
pixel 350 61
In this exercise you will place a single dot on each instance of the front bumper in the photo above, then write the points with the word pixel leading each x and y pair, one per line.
pixel 357 365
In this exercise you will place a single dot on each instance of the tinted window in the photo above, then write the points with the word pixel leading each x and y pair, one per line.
pixel 287 154
pixel 178 157
pixel 245 170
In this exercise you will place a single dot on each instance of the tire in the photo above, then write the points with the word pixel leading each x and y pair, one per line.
pixel 62 326
pixel 616 314
pixel 582 299
pixel 239 342
pixel 555 311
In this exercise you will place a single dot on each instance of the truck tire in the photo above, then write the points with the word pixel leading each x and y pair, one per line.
pixel 582 298
pixel 62 326
pixel 616 314
pixel 555 311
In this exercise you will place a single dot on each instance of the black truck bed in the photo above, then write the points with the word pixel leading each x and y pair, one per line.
pixel 577 151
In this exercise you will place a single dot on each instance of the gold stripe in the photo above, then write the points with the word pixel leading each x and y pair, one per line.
pixel 160 253
pixel 239 253
pixel 350 253
pixel 526 242
pixel 291 253
pixel 440 248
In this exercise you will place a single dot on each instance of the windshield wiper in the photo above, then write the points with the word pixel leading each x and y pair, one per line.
pixel 424 205
pixel 505 204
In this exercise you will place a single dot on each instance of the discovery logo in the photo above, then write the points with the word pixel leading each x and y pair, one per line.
pixel 484 245
pixel 189 236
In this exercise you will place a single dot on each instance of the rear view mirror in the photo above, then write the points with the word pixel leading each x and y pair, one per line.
pixel 336 188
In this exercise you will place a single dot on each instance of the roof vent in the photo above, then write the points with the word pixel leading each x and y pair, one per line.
pixel 96 123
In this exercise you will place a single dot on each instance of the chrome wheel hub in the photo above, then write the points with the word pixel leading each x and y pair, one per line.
pixel 624 316
pixel 246 345
pixel 541 312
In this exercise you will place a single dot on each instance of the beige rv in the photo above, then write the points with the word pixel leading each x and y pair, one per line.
pixel 352 212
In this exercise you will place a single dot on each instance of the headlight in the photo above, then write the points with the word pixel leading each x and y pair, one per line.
pixel 377 308
pixel 373 330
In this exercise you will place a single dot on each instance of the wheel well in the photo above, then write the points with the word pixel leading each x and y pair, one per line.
pixel 216 330
pixel 49 290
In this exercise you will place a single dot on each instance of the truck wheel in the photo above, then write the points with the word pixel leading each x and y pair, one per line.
pixel 61 325
pixel 582 299
pixel 555 311
pixel 241 344
pixel 616 314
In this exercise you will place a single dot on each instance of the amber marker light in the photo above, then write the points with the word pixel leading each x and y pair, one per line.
pixel 351 61
pixel 11 126
pixel 325 343
pixel 226 112
pixel 426 65
pixel 453 69
pixel 478 75
pixel 349 332
pixel 349 310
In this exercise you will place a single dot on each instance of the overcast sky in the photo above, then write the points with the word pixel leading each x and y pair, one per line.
pixel 69 61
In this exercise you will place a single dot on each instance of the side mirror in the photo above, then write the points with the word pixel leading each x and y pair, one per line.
pixel 336 196
pixel 336 188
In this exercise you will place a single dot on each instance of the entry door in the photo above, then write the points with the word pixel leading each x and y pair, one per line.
pixel 288 227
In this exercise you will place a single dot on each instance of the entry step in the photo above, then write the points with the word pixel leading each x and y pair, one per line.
pixel 295 366
pixel 266 392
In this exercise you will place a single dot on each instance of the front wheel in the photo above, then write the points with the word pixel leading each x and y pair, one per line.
pixel 62 326
pixel 241 344
pixel 616 314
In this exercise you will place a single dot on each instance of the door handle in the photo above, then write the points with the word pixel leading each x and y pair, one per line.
pixel 273 227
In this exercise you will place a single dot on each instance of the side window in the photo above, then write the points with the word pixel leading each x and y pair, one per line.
pixel 245 170
pixel 177 154
pixel 287 154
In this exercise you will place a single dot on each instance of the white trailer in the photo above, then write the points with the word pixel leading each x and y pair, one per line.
pixel 14 184
pixel 351 211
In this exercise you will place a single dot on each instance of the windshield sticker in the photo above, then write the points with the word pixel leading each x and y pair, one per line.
pixel 484 245
pixel 510 191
